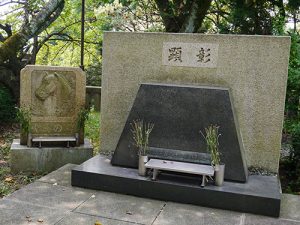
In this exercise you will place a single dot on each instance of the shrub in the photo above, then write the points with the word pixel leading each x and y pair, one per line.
pixel 292 121
pixel 7 105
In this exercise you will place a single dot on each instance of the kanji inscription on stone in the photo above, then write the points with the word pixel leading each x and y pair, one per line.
pixel 175 54
pixel 190 54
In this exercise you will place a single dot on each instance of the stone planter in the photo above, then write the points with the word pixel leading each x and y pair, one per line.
pixel 23 137
pixel 219 174
pixel 80 137
pixel 143 159
pixel 29 140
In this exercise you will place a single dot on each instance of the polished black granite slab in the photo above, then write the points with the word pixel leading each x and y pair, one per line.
pixel 260 195
pixel 179 113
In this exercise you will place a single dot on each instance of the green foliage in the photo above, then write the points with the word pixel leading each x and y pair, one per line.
pixel 93 74
pixel 140 133
pixel 10 182
pixel 4 151
pixel 4 189
pixel 7 105
pixel 211 137
pixel 24 118
pixel 293 85
pixel 130 15
pixel 292 122
pixel 92 129
pixel 82 117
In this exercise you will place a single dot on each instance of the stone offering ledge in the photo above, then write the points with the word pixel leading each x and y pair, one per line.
pixel 260 195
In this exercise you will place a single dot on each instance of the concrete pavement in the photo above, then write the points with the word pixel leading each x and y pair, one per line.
pixel 52 200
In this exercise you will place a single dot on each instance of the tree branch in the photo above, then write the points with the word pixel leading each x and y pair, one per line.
pixel 13 44
pixel 7 29
pixel 12 2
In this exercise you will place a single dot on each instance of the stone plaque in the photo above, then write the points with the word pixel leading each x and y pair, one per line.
pixel 190 54
pixel 179 113
pixel 54 96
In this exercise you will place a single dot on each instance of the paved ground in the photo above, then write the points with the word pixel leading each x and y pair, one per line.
pixel 52 200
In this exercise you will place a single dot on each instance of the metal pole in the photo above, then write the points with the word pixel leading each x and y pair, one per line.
pixel 82 34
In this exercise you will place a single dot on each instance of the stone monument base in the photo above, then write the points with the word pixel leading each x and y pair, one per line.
pixel 47 159
pixel 260 195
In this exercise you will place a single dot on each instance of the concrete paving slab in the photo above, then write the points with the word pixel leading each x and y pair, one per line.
pixel 175 213
pixel 290 207
pixel 82 219
pixel 122 207
pixel 12 213
pixel 262 220
pixel 62 176
pixel 49 195
pixel 64 205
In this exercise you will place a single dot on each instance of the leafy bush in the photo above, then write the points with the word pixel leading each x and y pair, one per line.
pixel 93 74
pixel 292 122
pixel 7 105
pixel 92 129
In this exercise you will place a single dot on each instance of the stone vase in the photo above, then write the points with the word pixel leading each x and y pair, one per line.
pixel 29 140
pixel 143 159
pixel 23 137
pixel 81 136
pixel 219 174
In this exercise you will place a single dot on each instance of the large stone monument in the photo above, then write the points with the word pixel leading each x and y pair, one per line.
pixel 183 83
pixel 54 97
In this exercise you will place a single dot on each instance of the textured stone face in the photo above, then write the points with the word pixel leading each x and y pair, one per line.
pixel 54 96
pixel 254 68
pixel 179 113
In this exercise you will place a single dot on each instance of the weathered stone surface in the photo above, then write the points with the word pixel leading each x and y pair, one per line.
pixel 55 96
pixel 179 113
pixel 61 176
pixel 24 213
pixel 84 219
pixel 47 159
pixel 290 205
pixel 179 155
pixel 253 67
pixel 52 196
pixel 174 213
pixel 93 97
pixel 122 207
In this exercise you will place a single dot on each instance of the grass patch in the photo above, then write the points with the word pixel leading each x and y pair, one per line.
pixel 10 182
pixel 92 129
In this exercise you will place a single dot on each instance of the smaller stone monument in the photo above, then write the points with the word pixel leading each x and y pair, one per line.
pixel 53 100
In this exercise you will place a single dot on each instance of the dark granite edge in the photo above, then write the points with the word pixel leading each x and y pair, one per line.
pixel 183 194
pixel 211 188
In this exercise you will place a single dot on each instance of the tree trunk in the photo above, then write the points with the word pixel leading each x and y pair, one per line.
pixel 183 16
pixel 13 45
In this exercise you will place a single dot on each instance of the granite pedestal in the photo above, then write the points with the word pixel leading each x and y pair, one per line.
pixel 260 195
pixel 47 159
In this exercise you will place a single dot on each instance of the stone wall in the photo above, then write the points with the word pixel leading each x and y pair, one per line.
pixel 253 67
pixel 93 97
